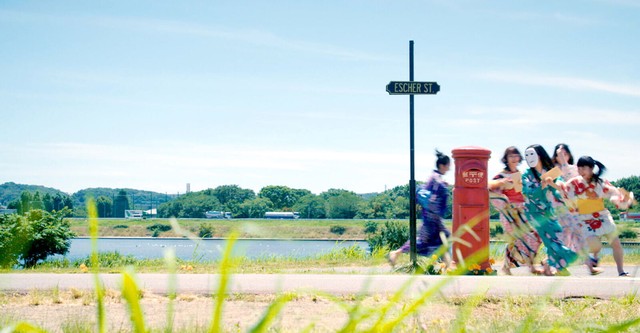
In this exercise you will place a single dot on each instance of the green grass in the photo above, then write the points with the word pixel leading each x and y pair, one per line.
pixel 261 228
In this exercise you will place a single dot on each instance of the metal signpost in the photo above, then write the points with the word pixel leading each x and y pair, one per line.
pixel 412 88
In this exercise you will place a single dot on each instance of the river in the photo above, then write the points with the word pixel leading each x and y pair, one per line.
pixel 211 249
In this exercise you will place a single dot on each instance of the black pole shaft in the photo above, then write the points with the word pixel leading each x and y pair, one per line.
pixel 412 180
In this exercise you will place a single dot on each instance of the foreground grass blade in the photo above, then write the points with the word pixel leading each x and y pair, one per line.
pixel 272 312
pixel 22 327
pixel 225 272
pixel 622 327
pixel 413 307
pixel 131 294
pixel 170 260
pixel 460 324
pixel 92 214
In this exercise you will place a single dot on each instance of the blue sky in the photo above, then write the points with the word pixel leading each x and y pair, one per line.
pixel 156 94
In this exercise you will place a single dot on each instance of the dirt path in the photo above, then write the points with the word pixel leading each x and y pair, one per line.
pixel 77 309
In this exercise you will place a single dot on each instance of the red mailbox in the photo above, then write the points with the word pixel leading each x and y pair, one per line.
pixel 471 204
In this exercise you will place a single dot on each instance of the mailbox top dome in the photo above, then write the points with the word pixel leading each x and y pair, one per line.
pixel 470 151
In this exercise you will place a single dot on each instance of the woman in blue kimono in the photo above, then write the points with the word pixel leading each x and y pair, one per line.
pixel 540 192
pixel 432 196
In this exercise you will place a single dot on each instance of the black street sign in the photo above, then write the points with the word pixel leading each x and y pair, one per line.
pixel 412 88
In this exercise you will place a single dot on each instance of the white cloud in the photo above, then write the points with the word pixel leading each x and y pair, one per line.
pixel 250 36
pixel 572 83
pixel 506 117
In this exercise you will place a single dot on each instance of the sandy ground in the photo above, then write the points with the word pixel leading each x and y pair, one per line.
pixel 69 309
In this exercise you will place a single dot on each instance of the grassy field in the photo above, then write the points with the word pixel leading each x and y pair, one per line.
pixel 263 228
pixel 246 228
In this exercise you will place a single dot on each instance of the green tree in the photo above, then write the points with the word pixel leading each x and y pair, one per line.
pixel 14 234
pixel 33 237
pixel 282 197
pixel 255 208
pixel 378 207
pixel 25 202
pixel 120 204
pixel 342 204
pixel 68 203
pixel 50 234
pixel 232 196
pixel 631 184
pixel 311 206
pixel 57 203
pixel 190 205
pixel 47 201
pixel 104 205
pixel 36 201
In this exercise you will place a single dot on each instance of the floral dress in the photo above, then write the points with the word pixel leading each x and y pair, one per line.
pixel 595 220
pixel 540 213
pixel 523 241
pixel 572 235
pixel 432 196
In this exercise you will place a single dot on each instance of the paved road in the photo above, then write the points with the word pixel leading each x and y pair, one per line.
pixel 368 281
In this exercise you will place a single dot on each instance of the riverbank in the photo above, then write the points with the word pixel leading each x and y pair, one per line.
pixel 320 229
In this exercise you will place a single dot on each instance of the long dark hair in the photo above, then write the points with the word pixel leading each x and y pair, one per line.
pixel 442 159
pixel 566 148
pixel 590 162
pixel 507 152
pixel 547 164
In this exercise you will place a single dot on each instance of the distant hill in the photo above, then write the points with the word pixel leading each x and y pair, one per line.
pixel 10 191
pixel 139 199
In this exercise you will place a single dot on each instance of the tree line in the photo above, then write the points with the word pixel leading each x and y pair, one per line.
pixel 245 203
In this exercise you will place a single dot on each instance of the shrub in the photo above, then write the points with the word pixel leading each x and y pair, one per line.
pixel 337 229
pixel 392 235
pixel 159 228
pixel 370 227
pixel 120 226
pixel 206 230
pixel 628 234
pixel 109 259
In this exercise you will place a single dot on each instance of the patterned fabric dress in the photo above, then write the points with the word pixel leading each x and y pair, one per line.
pixel 572 235
pixel 595 220
pixel 432 196
pixel 523 241
pixel 541 215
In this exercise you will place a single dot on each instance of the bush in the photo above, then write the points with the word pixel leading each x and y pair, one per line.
pixel 628 234
pixel 159 228
pixel 206 230
pixel 370 227
pixel 337 229
pixel 392 235
pixel 120 226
